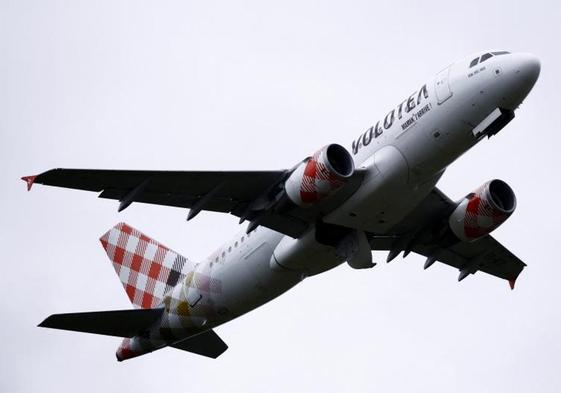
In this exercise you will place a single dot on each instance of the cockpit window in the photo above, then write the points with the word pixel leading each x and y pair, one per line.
pixel 486 56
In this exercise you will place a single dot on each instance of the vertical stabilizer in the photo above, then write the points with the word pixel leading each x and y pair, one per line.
pixel 147 269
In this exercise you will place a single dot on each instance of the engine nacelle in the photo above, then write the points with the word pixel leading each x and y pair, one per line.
pixel 320 175
pixel 483 211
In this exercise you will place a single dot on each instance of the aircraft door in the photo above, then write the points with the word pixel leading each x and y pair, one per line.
pixel 442 85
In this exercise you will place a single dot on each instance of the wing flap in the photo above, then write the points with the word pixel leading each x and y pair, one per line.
pixel 216 204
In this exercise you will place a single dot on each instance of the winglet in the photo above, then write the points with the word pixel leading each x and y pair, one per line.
pixel 29 180
pixel 511 282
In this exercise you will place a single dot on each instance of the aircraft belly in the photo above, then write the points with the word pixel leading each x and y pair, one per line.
pixel 383 213
pixel 249 281
pixel 305 254
pixel 385 196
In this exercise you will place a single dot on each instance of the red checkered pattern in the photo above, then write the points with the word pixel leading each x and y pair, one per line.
pixel 481 216
pixel 147 269
pixel 318 181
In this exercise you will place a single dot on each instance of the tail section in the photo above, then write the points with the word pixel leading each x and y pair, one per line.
pixel 140 329
pixel 206 343
pixel 147 269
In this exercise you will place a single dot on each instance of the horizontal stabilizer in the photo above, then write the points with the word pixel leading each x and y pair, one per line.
pixel 204 344
pixel 121 323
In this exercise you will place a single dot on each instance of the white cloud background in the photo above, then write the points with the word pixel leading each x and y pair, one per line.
pixel 260 85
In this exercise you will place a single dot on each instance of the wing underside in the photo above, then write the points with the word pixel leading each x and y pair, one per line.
pixel 424 232
pixel 255 196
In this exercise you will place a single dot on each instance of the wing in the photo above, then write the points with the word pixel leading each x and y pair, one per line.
pixel 425 231
pixel 256 196
pixel 485 254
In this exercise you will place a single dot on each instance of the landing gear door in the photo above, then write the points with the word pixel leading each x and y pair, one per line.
pixel 442 85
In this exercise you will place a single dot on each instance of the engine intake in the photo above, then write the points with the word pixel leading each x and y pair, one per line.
pixel 320 175
pixel 482 211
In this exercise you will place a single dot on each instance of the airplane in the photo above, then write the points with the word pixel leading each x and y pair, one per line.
pixel 337 205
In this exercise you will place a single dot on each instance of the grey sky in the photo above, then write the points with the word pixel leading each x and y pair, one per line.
pixel 256 85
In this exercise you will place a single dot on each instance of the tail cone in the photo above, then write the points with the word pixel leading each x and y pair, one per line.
pixel 125 351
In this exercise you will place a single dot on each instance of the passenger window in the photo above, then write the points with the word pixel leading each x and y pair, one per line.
pixel 486 56
pixel 474 62
pixel 235 244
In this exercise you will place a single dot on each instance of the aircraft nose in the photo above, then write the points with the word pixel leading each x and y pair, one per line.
pixel 522 72
pixel 528 69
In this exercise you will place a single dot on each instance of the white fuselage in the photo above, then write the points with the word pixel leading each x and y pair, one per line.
pixel 404 155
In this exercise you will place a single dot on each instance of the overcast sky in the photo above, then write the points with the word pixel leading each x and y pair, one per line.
pixel 260 85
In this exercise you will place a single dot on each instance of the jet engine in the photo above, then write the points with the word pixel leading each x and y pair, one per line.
pixel 320 175
pixel 482 211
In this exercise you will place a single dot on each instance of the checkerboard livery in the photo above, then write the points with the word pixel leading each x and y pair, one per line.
pixel 480 213
pixel 147 269
pixel 337 205
pixel 316 178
